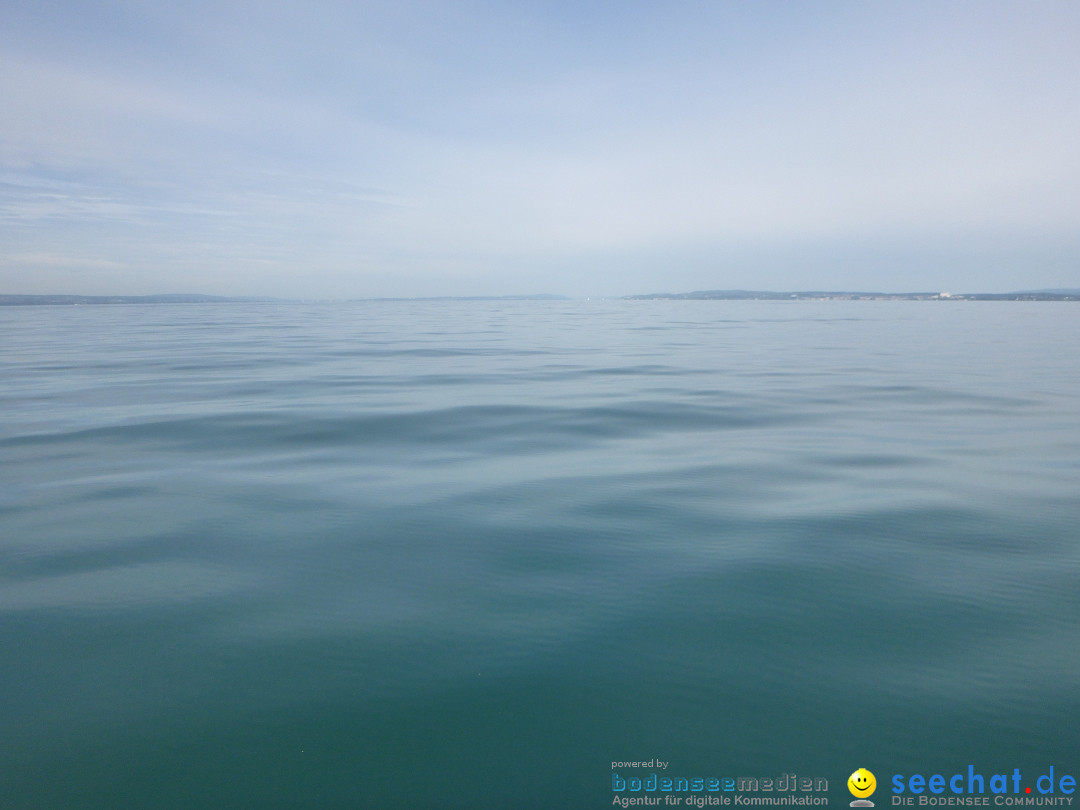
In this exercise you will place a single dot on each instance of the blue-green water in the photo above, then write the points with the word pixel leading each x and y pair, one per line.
pixel 468 554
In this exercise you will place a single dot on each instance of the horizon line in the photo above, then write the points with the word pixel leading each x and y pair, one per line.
pixel 31 299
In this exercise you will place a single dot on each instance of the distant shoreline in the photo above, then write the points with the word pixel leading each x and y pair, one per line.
pixel 69 300
pixel 816 295
pixel 74 300
pixel 700 295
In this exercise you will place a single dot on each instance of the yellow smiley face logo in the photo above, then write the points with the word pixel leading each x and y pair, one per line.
pixel 861 783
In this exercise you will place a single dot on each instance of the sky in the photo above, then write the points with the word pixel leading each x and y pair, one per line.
pixel 325 149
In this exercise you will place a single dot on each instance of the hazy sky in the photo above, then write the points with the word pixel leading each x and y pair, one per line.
pixel 357 149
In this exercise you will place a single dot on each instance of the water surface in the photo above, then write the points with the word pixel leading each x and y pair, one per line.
pixel 466 554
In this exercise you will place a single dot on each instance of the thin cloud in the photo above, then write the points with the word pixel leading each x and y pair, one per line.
pixel 377 148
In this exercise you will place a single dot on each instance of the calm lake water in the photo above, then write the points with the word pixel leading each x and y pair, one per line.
pixel 469 554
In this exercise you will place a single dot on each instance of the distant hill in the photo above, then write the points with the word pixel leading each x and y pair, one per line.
pixel 1073 292
pixel 820 295
pixel 181 298
pixel 70 300
pixel 536 297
